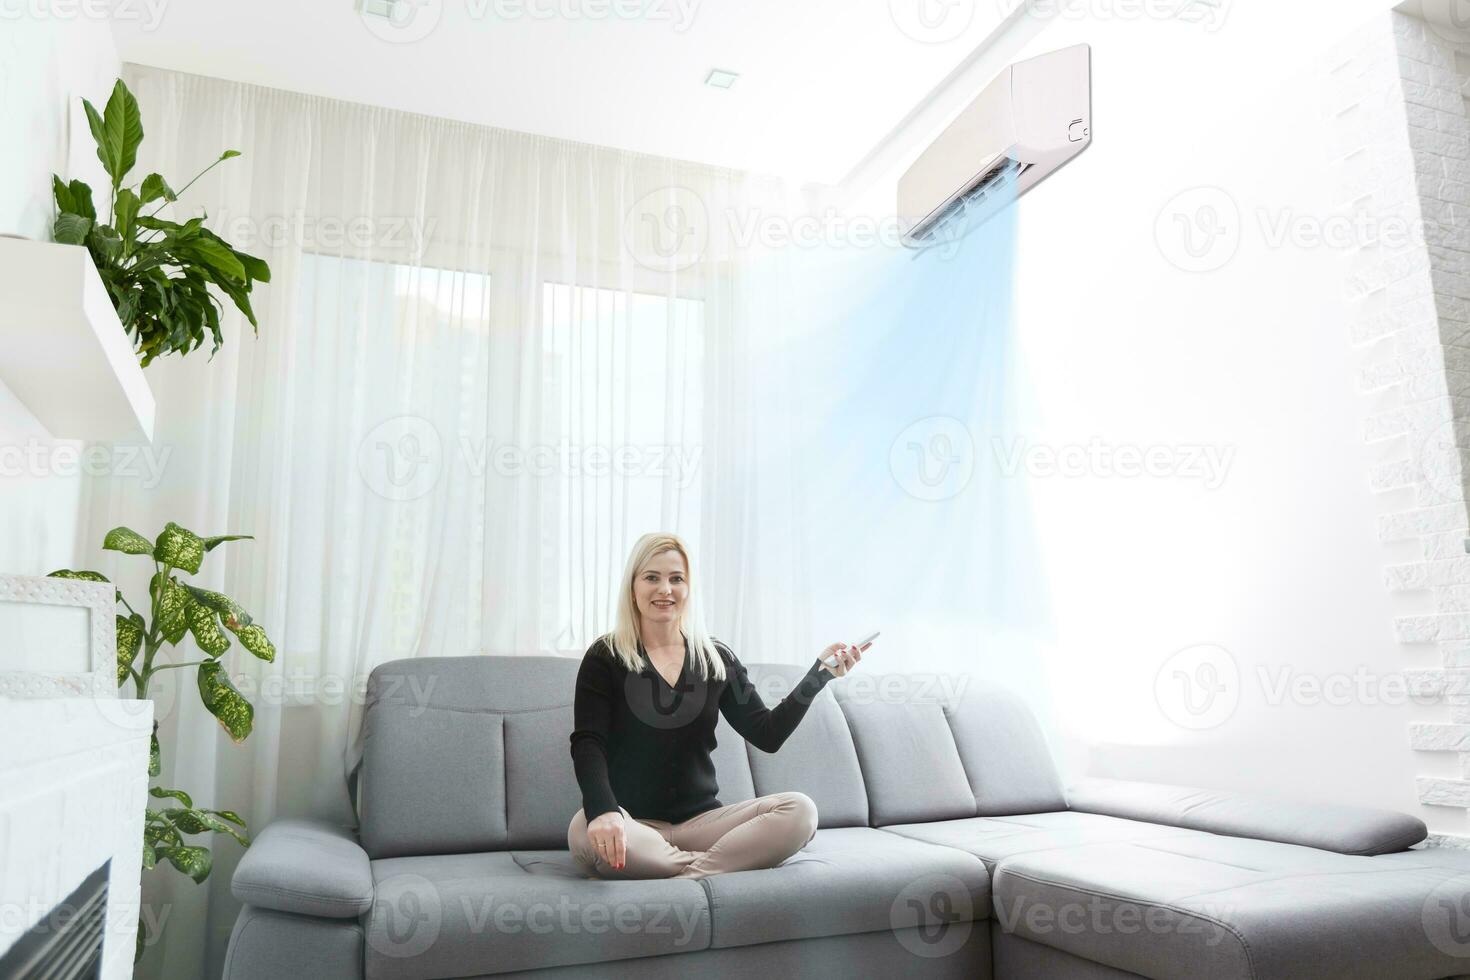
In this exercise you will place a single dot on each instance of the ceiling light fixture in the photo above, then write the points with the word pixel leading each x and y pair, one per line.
pixel 719 78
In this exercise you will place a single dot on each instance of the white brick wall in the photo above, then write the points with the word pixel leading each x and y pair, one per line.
pixel 1404 144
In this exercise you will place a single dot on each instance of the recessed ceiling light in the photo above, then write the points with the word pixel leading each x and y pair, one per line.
pixel 719 78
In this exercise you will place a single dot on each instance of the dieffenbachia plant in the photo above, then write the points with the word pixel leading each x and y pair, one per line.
pixel 177 609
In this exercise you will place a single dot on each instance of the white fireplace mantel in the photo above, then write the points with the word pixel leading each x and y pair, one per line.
pixel 73 788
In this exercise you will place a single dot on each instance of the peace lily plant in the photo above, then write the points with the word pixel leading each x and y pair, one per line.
pixel 175 609
pixel 158 272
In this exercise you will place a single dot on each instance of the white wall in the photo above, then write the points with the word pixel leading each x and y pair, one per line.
pixel 47 64
pixel 1275 575
pixel 1280 565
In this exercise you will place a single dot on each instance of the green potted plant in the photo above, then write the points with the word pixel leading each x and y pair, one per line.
pixel 157 272
pixel 176 609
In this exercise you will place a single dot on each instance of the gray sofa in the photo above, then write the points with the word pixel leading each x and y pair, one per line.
pixel 946 848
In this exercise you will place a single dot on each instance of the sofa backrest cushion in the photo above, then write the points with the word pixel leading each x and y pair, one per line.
pixel 911 768
pixel 466 754
pixel 818 759
pixel 1006 758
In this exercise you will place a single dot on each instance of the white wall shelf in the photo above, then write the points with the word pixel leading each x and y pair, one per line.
pixel 63 351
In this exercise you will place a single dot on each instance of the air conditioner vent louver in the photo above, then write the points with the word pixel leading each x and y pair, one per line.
pixel 986 192
pixel 1033 118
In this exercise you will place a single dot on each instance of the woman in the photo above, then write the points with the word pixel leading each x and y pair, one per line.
pixel 646 704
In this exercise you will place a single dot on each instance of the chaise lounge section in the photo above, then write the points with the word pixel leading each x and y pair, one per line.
pixel 946 847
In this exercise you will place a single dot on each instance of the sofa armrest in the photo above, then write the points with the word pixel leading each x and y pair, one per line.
pixel 1331 827
pixel 307 867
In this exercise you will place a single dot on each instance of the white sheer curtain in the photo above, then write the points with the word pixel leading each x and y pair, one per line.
pixel 487 362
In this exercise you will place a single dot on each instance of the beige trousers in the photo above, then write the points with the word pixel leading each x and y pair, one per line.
pixel 758 833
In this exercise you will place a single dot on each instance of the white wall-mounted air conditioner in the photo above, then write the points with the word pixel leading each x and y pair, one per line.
pixel 1034 117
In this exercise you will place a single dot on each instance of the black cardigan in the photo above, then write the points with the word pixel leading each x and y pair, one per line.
pixel 641 744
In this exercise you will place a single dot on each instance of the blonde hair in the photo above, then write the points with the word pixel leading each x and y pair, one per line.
pixel 626 635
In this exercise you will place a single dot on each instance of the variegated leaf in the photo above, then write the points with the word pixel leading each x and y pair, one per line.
pixel 150 858
pixel 194 861
pixel 203 822
pixel 253 638
pixel 231 816
pixel 128 541
pixel 155 757
pixel 179 548
pixel 173 608
pixel 129 642
pixel 84 577
pixel 227 608
pixel 204 624
pixel 235 714
pixel 159 793
pixel 212 543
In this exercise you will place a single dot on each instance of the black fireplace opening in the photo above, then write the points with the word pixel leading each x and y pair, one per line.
pixel 66 943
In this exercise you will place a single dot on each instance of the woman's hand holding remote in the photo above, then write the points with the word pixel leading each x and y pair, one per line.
pixel 839 658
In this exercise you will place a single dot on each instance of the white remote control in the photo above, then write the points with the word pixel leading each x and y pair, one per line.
pixel 860 645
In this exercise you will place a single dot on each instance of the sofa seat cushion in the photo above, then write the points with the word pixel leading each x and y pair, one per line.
pixel 1226 908
pixel 849 880
pixel 463 915
pixel 993 839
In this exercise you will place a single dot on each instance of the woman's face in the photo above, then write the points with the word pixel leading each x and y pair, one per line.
pixel 661 588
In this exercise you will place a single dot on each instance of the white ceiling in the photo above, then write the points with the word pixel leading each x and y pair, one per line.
pixel 822 81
